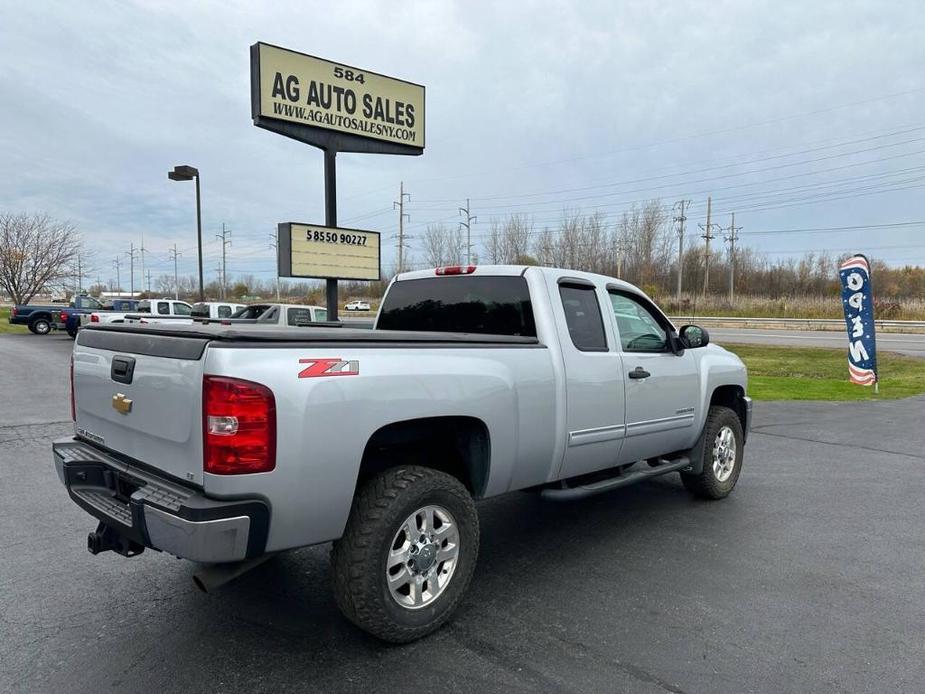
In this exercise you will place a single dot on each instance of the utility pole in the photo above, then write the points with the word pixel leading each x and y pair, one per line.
pixel 148 284
pixel 131 255
pixel 174 254
pixel 142 251
pixel 274 244
pixel 470 220
pixel 79 276
pixel 117 264
pixel 707 236
pixel 731 239
pixel 223 237
pixel 620 249
pixel 680 219
pixel 400 205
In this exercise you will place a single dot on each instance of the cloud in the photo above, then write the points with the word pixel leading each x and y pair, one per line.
pixel 101 101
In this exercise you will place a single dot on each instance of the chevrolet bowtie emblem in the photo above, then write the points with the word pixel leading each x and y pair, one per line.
pixel 121 404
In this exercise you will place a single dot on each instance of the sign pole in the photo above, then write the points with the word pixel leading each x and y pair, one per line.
pixel 330 220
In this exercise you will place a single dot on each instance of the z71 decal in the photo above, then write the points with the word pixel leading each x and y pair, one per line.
pixel 335 366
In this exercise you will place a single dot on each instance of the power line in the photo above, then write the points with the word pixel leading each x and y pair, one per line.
pixel 699 170
pixel 676 140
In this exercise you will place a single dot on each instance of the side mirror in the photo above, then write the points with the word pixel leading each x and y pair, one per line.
pixel 693 336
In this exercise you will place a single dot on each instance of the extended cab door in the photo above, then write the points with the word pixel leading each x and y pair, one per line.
pixel 593 376
pixel 662 387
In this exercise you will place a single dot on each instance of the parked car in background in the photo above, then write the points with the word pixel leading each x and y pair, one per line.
pixel 357 306
pixel 71 319
pixel 215 309
pixel 161 307
pixel 281 314
pixel 152 311
pixel 39 319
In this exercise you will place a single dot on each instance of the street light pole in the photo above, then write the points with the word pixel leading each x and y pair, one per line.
pixel 202 296
pixel 189 173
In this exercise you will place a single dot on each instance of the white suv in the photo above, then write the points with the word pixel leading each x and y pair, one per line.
pixel 357 306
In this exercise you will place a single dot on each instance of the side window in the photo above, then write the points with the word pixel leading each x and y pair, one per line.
pixel 163 308
pixel 583 317
pixel 182 309
pixel 640 330
pixel 224 311
pixel 321 314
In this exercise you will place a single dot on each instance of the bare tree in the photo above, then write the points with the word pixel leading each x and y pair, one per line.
pixel 35 251
pixel 443 246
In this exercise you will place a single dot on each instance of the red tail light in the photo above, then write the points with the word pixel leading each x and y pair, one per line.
pixel 456 270
pixel 13 312
pixel 94 318
pixel 64 316
pixel 238 426
pixel 73 401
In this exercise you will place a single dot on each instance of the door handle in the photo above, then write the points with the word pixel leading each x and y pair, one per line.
pixel 639 372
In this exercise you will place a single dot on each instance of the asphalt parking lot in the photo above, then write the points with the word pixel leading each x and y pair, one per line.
pixel 809 578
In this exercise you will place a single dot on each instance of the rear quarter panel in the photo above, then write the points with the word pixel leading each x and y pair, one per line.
pixel 324 423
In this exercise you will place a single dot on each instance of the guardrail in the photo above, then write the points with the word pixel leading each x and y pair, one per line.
pixel 802 323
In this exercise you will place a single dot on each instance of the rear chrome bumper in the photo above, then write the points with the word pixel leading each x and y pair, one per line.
pixel 157 512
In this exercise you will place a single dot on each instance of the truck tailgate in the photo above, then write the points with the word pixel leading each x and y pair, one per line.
pixel 140 395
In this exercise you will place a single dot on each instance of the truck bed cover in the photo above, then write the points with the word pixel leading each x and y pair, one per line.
pixel 143 338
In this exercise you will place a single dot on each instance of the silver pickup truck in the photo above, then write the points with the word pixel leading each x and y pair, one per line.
pixel 226 445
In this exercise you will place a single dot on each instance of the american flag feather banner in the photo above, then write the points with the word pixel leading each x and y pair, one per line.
pixel 858 302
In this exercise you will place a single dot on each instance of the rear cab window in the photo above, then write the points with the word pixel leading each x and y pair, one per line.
pixel 488 305
pixel 299 316
pixel 583 317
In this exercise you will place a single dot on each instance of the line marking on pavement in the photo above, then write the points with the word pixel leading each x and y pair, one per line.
pixel 841 445
pixel 802 337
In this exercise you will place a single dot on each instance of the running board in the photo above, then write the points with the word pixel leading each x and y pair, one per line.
pixel 582 491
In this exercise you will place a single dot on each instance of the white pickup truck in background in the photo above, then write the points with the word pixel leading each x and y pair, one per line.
pixel 227 444
pixel 146 312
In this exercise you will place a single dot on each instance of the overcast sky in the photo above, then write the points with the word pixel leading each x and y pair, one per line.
pixel 795 115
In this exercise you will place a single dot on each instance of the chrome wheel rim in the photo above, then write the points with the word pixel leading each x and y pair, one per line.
pixel 422 557
pixel 724 454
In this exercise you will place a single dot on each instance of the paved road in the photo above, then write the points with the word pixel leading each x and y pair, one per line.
pixel 913 345
pixel 808 579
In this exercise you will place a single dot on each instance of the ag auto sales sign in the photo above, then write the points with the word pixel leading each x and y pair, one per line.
pixel 308 91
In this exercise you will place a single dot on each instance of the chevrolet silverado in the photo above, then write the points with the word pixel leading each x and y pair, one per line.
pixel 225 445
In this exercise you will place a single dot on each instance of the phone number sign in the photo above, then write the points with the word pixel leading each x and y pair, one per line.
pixel 308 250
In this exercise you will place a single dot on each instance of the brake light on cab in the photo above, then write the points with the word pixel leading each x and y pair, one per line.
pixel 94 318
pixel 455 270
pixel 238 426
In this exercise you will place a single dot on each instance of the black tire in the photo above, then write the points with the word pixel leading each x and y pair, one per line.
pixel 72 334
pixel 359 557
pixel 31 329
pixel 40 326
pixel 706 484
